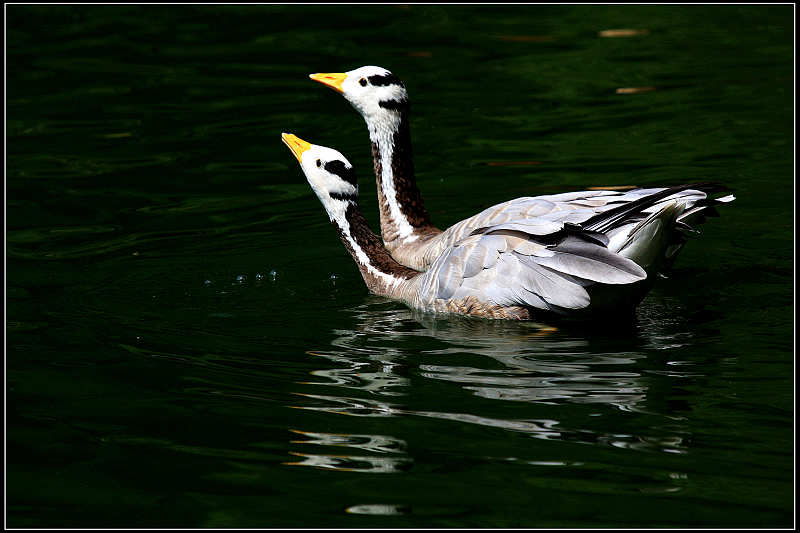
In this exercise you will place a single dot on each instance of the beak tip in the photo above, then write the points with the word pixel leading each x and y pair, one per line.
pixel 333 80
pixel 295 144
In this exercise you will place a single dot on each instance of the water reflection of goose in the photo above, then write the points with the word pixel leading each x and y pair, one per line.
pixel 538 364
pixel 386 454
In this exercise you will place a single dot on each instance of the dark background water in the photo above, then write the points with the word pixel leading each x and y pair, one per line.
pixel 179 354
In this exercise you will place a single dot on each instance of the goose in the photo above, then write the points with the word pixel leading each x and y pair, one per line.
pixel 516 269
pixel 382 100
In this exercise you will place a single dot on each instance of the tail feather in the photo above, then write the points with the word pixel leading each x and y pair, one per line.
pixel 648 240
pixel 653 243
pixel 617 216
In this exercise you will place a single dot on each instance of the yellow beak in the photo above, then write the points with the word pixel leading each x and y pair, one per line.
pixel 333 80
pixel 295 144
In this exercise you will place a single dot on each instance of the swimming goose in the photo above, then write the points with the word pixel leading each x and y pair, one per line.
pixel 509 270
pixel 381 99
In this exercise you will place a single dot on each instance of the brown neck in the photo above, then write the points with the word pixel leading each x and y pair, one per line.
pixel 381 273
pixel 402 209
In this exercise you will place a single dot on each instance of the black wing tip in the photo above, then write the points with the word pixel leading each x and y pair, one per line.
pixel 607 219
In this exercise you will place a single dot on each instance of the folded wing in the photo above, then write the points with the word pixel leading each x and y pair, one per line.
pixel 575 207
pixel 518 263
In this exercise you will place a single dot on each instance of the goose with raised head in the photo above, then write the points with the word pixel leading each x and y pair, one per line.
pixel 510 270
pixel 382 100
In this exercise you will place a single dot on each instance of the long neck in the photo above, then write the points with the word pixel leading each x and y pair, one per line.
pixel 382 274
pixel 403 215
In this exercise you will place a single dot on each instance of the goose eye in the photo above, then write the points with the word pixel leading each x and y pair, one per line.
pixel 362 82
pixel 319 163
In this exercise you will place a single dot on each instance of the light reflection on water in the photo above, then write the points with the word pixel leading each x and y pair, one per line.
pixel 352 463
pixel 508 362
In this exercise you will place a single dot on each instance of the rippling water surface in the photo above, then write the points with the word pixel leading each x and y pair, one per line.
pixel 188 343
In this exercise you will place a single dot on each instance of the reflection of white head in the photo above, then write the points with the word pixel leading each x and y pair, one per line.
pixel 328 172
pixel 375 92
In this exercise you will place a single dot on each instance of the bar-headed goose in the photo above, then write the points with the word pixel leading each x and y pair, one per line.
pixel 407 232
pixel 507 270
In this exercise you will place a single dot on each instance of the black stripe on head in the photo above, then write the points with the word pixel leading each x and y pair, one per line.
pixel 394 105
pixel 385 79
pixel 338 167
pixel 346 196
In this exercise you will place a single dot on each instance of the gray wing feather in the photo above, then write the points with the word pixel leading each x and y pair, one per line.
pixel 450 276
pixel 555 288
pixel 532 226
pixel 510 265
pixel 526 284
pixel 480 258
pixel 587 260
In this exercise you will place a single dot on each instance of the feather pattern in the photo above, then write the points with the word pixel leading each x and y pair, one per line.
pixel 620 212
pixel 516 264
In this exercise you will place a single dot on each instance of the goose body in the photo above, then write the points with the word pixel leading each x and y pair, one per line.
pixel 381 99
pixel 510 268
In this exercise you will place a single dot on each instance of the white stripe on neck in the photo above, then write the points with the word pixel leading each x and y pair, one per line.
pixel 337 214
pixel 382 133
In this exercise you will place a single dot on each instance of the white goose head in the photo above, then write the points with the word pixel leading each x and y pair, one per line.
pixel 331 176
pixel 328 172
pixel 373 91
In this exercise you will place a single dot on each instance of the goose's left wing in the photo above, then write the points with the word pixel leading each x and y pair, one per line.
pixel 521 263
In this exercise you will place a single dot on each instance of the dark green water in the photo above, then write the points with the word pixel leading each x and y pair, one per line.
pixel 178 354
